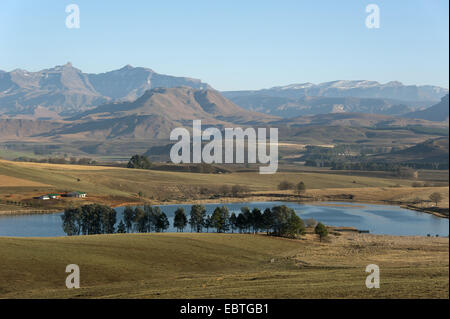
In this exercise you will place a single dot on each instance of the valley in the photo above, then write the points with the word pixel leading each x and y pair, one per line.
pixel 66 139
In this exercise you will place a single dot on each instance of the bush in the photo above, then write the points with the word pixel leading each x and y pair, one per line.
pixel 285 185
pixel 139 161
pixel 238 190
pixel 321 230
pixel 225 190
pixel 301 188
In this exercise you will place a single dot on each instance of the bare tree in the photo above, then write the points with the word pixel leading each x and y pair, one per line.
pixel 436 197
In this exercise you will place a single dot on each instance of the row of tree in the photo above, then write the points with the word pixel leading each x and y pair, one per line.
pixel 99 219
pixel 143 220
pixel 89 220
pixel 58 160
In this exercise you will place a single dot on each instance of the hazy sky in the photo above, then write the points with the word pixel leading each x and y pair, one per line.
pixel 234 44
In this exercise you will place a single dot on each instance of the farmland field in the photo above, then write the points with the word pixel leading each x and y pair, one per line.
pixel 185 265
pixel 117 186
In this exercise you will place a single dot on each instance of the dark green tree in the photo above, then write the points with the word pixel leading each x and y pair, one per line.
pixel 220 219
pixel 96 219
pixel 295 225
pixel 247 219
pixel 128 217
pixel 152 215
pixel 180 219
pixel 155 217
pixel 91 219
pixel 321 230
pixel 256 220
pixel 208 223
pixel 241 222
pixel 268 220
pixel 108 216
pixel 283 215
pixel 140 220
pixel 121 228
pixel 72 221
pixel 197 219
pixel 233 220
pixel 162 224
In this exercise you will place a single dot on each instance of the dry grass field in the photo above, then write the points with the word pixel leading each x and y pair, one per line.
pixel 20 182
pixel 8 181
pixel 185 265
pixel 396 195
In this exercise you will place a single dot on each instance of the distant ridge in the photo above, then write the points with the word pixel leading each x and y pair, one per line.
pixel 360 88
pixel 392 98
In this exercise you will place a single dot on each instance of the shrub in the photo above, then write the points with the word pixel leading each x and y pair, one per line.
pixel 321 230
pixel 139 161
pixel 285 185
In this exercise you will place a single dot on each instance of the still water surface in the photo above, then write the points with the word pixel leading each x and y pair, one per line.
pixel 378 219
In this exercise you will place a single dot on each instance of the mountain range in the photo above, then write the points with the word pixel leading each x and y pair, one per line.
pixel 392 98
pixel 138 103
pixel 312 105
pixel 155 114
pixel 67 90
pixel 362 89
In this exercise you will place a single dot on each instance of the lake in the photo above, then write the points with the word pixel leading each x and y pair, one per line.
pixel 378 219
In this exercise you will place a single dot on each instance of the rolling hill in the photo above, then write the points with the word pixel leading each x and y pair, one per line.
pixel 187 265
pixel 431 151
pixel 360 128
pixel 13 129
pixel 437 112
pixel 358 120
pixel 177 104
pixel 155 114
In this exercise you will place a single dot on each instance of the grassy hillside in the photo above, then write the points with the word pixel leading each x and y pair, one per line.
pixel 185 265
pixel 431 151
pixel 119 185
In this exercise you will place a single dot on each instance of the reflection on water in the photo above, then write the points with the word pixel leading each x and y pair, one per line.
pixel 378 219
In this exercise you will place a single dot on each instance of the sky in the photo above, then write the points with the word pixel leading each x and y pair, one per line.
pixel 234 45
